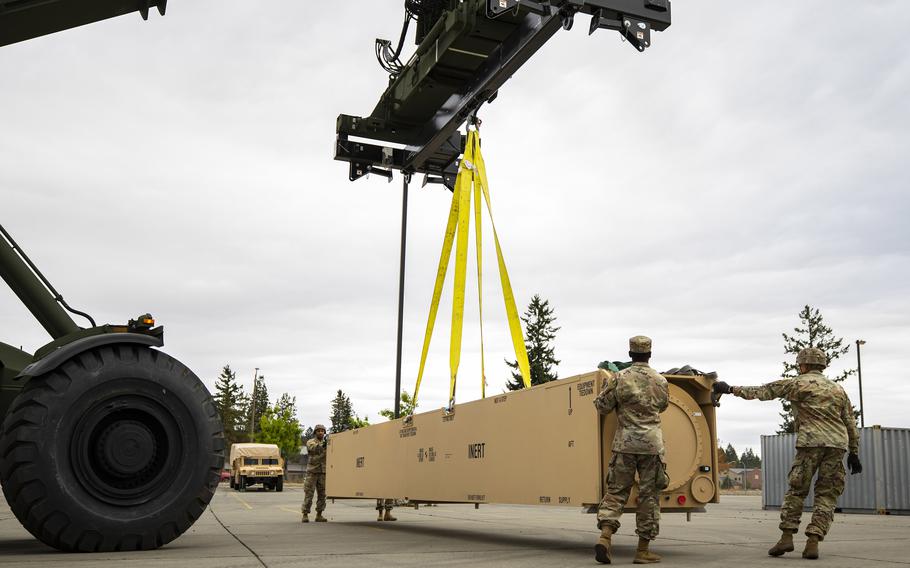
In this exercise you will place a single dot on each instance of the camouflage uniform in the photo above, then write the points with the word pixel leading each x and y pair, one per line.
pixel 826 429
pixel 315 476
pixel 638 395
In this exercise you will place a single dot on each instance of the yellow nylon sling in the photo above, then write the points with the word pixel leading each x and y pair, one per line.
pixel 461 261
pixel 521 353
pixel 444 257
pixel 477 245
pixel 471 172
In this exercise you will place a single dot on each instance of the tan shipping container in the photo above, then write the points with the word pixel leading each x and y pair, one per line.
pixel 546 445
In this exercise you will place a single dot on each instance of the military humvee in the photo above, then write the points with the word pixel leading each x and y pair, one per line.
pixel 255 464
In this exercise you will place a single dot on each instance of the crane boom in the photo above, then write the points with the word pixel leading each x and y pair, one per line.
pixel 21 20
pixel 468 50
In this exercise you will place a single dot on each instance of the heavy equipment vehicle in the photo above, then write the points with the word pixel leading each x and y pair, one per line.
pixel 110 444
pixel 107 443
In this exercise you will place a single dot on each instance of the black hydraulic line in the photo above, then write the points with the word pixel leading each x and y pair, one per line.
pixel 404 240
pixel 59 324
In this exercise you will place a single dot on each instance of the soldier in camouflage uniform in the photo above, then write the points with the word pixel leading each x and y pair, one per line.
pixel 826 429
pixel 315 475
pixel 638 395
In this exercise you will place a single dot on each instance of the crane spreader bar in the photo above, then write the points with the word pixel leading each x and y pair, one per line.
pixel 461 61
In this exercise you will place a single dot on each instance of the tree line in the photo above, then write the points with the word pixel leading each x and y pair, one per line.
pixel 254 418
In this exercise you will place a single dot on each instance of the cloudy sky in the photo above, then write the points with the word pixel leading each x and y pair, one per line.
pixel 752 161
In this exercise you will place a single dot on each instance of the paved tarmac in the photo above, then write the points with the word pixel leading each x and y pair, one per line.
pixel 256 529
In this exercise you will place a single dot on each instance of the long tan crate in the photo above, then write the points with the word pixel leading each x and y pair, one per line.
pixel 545 445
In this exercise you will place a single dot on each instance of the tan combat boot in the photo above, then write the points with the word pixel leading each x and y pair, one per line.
pixel 643 555
pixel 811 550
pixel 380 515
pixel 305 519
pixel 785 544
pixel 602 550
pixel 320 518
pixel 388 516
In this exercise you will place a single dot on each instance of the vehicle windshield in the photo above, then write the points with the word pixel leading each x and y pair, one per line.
pixel 250 461
pixel 270 461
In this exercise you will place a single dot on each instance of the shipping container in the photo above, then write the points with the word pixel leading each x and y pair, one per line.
pixel 883 487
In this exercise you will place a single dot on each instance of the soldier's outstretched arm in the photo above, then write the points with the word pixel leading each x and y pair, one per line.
pixel 605 402
pixel 784 388
pixel 850 423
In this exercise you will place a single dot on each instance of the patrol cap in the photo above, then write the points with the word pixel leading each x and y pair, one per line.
pixel 812 356
pixel 640 344
pixel 319 427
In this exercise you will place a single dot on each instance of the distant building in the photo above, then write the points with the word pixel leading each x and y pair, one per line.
pixel 741 478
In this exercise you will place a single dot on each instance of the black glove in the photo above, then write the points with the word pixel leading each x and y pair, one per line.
pixel 721 387
pixel 854 464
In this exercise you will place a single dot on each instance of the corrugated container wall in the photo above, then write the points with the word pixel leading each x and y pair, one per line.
pixel 882 487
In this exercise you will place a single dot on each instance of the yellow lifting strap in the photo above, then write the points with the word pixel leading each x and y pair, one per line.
pixel 471 175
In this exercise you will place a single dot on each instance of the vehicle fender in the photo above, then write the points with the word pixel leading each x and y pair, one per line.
pixel 66 352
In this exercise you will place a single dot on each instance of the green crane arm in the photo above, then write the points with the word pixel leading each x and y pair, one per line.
pixel 467 49
pixel 26 19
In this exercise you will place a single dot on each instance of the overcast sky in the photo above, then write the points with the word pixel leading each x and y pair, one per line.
pixel 752 161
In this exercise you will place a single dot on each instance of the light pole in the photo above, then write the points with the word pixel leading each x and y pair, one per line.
pixel 253 406
pixel 859 374
pixel 404 240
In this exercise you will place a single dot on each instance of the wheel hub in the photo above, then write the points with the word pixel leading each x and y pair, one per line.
pixel 126 448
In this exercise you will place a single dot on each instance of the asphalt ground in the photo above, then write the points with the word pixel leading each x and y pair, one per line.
pixel 256 529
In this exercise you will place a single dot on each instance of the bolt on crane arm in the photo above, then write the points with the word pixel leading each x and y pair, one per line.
pixel 467 49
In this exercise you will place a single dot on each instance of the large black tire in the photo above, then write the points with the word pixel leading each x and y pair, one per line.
pixel 242 483
pixel 120 448
pixel 279 486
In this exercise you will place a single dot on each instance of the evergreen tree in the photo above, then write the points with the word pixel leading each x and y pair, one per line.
pixel 722 464
pixel 308 434
pixel 342 412
pixel 539 333
pixel 732 457
pixel 408 405
pixel 231 402
pixel 812 332
pixel 279 426
pixel 749 459
pixel 259 403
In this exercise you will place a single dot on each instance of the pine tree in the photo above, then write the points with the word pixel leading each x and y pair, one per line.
pixel 812 333
pixel 342 412
pixel 722 464
pixel 539 333
pixel 749 459
pixel 732 457
pixel 259 403
pixel 231 402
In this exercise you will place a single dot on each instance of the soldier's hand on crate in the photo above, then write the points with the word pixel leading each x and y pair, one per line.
pixel 854 464
pixel 720 387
